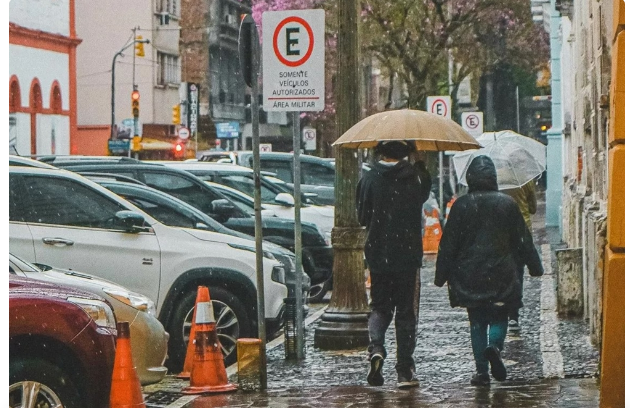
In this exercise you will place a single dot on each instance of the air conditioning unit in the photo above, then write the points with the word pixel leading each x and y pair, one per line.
pixel 165 18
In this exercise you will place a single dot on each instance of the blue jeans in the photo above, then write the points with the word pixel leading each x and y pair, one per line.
pixel 488 327
pixel 399 294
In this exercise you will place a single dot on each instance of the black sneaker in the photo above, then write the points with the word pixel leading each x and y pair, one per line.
pixel 493 355
pixel 480 379
pixel 407 379
pixel 514 327
pixel 375 377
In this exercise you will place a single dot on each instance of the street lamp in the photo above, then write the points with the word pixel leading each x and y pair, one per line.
pixel 135 40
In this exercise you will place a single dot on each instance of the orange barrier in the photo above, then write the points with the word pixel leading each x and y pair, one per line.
pixel 203 295
pixel 126 391
pixel 208 369
pixel 432 232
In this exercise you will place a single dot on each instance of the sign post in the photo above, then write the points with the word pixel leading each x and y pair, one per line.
pixel 249 55
pixel 440 105
pixel 293 78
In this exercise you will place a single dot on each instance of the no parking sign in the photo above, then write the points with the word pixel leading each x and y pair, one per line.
pixel 440 105
pixel 293 60
pixel 472 122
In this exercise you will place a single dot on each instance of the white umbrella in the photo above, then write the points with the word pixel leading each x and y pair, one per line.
pixel 537 149
pixel 516 164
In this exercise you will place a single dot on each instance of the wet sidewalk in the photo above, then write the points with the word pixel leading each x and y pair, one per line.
pixel 551 363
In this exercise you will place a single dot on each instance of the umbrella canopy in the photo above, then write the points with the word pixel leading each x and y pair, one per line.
pixel 515 164
pixel 429 131
pixel 537 149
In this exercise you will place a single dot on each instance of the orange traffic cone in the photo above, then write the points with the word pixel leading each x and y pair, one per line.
pixel 203 295
pixel 448 208
pixel 126 391
pixel 208 370
pixel 432 232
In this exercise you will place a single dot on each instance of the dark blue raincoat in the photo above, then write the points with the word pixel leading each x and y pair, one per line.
pixel 484 244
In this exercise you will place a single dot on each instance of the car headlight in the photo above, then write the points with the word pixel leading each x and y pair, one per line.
pixel 266 254
pixel 99 311
pixel 277 274
pixel 135 300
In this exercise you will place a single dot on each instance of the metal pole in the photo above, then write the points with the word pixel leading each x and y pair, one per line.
pixel 260 283
pixel 297 198
pixel 518 113
pixel 111 136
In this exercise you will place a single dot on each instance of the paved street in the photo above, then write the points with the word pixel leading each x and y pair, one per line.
pixel 551 363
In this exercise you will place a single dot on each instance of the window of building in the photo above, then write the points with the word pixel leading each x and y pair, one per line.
pixel 14 95
pixel 168 6
pixel 55 99
pixel 168 69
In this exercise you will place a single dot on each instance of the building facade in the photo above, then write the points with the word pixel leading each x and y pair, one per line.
pixel 210 59
pixel 108 60
pixel 42 77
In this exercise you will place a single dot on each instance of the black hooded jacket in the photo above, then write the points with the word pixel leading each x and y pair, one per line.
pixel 484 244
pixel 389 203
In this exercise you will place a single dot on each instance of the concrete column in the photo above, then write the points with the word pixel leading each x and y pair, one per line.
pixel 553 211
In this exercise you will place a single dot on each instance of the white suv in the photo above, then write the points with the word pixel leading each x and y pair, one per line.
pixel 60 218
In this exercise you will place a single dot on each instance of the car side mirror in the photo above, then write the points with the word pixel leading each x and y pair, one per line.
pixel 222 207
pixel 202 226
pixel 285 199
pixel 130 221
pixel 310 195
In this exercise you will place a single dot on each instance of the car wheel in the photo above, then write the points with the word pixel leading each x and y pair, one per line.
pixel 38 383
pixel 318 291
pixel 232 323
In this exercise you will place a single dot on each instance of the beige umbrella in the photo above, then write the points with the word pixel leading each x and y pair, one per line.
pixel 430 132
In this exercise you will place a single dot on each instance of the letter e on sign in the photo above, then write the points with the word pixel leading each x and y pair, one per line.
pixel 440 105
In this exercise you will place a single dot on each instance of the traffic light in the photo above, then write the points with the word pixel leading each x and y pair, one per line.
pixel 177 114
pixel 139 46
pixel 179 150
pixel 135 103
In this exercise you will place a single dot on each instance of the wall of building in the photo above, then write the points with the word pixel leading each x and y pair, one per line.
pixel 92 140
pixel 586 43
pixel 612 392
pixel 42 49
pixel 48 16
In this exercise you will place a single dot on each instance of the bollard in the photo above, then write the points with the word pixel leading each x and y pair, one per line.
pixel 570 290
pixel 248 357
pixel 290 329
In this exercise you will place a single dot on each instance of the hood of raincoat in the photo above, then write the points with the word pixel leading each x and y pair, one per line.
pixel 482 175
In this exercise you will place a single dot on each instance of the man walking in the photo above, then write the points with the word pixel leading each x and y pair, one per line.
pixel 389 203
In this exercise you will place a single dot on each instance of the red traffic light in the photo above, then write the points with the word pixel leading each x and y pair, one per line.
pixel 135 95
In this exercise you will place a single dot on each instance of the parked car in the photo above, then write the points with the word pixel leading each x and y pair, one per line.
pixel 319 287
pixel 277 201
pixel 149 341
pixel 60 218
pixel 317 255
pixel 62 345
pixel 318 175
pixel 172 211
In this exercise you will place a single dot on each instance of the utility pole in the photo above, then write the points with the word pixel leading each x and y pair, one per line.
pixel 113 90
pixel 344 324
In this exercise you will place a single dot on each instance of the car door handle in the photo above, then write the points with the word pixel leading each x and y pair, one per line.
pixel 57 241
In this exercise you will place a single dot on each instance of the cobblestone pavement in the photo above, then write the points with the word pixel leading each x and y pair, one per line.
pixel 560 371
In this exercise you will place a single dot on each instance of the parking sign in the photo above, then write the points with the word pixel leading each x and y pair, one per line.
pixel 293 60
pixel 440 105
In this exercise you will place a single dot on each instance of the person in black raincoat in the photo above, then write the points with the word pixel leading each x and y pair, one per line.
pixel 484 245
pixel 389 203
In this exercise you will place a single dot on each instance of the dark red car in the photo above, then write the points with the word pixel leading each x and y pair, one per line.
pixel 61 346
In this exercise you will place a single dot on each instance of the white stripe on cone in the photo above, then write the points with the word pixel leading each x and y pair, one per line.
pixel 205 313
